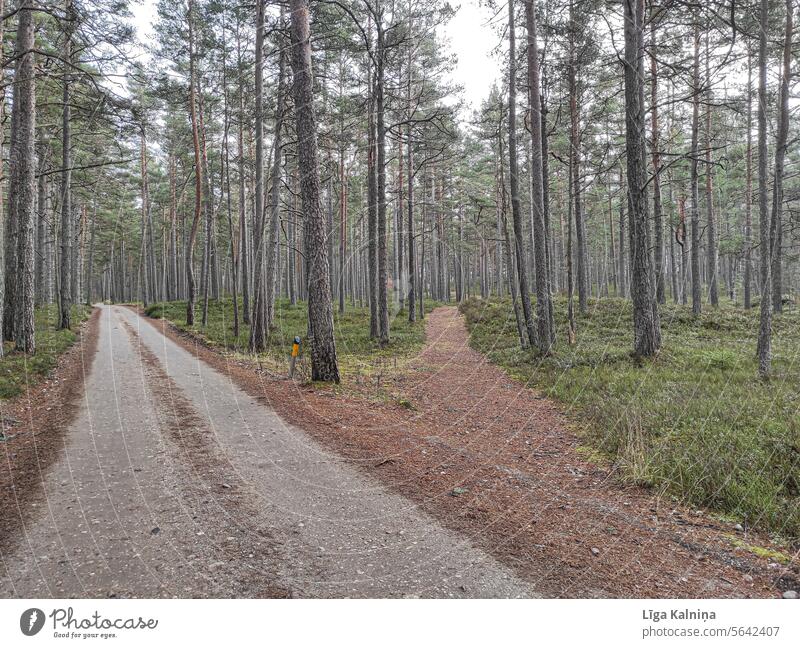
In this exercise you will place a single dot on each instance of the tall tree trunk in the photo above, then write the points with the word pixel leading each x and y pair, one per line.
pixel 516 208
pixel 544 310
pixel 65 300
pixel 580 225
pixel 258 320
pixel 412 259
pixel 770 240
pixel 502 219
pixel 383 270
pixel 552 278
pixel 226 183
pixel 244 253
pixel 144 264
pixel 711 229
pixel 695 195
pixel 343 263
pixel 273 245
pixel 90 270
pixel 764 349
pixel 320 310
pixel 658 223
pixel 22 188
pixel 748 204
pixel 622 271
pixel 372 206
pixel 3 273
pixel 646 325
pixel 198 173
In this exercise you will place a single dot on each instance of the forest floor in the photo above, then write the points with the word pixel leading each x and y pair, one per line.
pixel 193 471
pixel 695 422
pixel 497 461
pixel 19 371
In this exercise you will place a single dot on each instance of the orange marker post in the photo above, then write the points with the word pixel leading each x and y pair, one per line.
pixel 295 353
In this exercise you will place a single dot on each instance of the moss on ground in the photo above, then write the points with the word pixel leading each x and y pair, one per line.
pixel 357 353
pixel 18 370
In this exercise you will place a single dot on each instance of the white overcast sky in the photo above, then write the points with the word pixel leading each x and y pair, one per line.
pixel 468 34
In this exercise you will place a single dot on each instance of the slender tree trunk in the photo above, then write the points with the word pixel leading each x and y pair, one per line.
pixel 412 260
pixel 770 240
pixel 22 188
pixel 273 245
pixel 764 349
pixel 343 263
pixel 622 272
pixel 65 300
pixel 575 144
pixel 41 224
pixel 544 310
pixel 748 205
pixel 711 228
pixel 90 270
pixel 198 173
pixel 258 321
pixel 656 154
pixel 695 196
pixel 645 311
pixel 516 208
pixel 383 277
pixel 570 255
pixel 372 206
pixel 502 219
pixel 244 254
pixel 320 310
pixel 3 274
pixel 227 186
pixel 144 265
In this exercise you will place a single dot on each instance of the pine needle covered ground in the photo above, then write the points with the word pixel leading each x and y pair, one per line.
pixel 696 421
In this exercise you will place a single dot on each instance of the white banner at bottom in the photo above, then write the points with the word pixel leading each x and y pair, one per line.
pixel 388 623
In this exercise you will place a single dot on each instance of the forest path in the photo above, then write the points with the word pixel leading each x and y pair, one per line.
pixel 565 523
pixel 175 482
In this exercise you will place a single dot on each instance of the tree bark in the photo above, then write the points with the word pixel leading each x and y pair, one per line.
pixel 383 277
pixel 516 209
pixel 65 297
pixel 748 205
pixel 646 325
pixel 320 310
pixel 695 195
pixel 580 225
pixel 198 173
pixel 544 310
pixel 372 206
pixel 658 223
pixel 711 229
pixel 769 239
pixel 258 320
pixel 22 188
pixel 273 245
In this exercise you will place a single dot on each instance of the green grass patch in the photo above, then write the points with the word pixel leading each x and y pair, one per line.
pixel 357 353
pixel 18 370
pixel 696 421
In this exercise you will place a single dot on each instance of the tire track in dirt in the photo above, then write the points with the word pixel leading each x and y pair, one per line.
pixel 343 534
pixel 242 544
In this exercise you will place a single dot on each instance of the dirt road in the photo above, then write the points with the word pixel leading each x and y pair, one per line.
pixel 175 482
